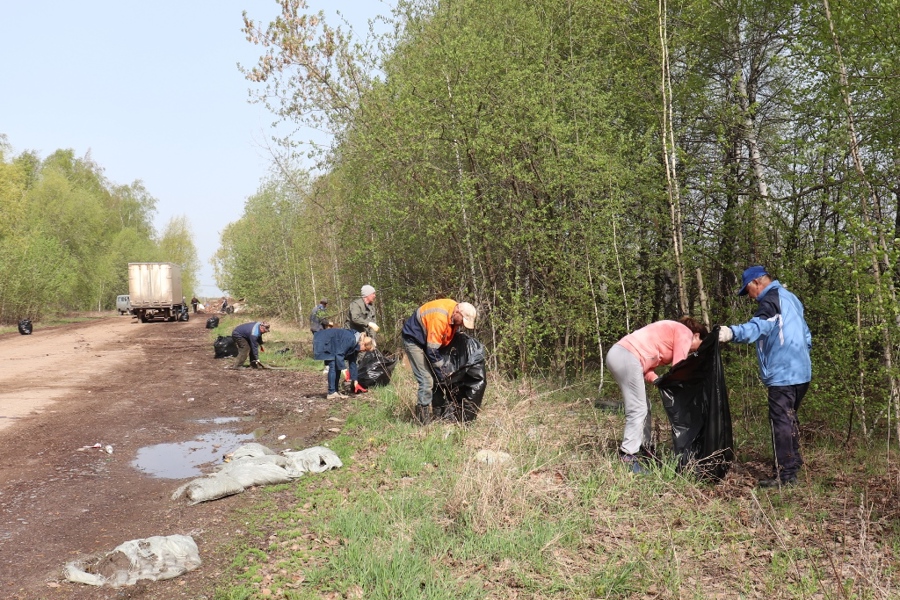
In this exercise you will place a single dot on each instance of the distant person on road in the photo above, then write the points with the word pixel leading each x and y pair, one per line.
pixel 633 360
pixel 335 346
pixel 783 341
pixel 361 316
pixel 194 303
pixel 248 338
pixel 318 315
pixel 431 327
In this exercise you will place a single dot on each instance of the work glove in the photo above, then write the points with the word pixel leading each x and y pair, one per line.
pixel 373 326
pixel 725 334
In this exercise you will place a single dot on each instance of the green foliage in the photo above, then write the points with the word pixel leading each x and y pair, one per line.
pixel 67 234
pixel 510 155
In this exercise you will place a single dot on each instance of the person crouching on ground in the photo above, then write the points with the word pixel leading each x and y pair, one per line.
pixel 335 346
pixel 248 338
pixel 632 361
pixel 430 328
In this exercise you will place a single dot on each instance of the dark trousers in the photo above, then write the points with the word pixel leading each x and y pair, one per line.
pixel 784 402
pixel 243 346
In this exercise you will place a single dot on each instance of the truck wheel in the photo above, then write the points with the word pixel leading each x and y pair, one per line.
pixel 144 318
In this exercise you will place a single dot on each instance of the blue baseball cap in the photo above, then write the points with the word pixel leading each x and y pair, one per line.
pixel 751 273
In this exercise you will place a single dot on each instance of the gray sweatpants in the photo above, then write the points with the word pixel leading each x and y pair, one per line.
pixel 628 373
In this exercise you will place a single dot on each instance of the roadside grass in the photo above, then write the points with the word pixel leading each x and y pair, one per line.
pixel 413 514
pixel 285 346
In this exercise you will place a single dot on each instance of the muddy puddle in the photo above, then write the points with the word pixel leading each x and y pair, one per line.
pixel 182 460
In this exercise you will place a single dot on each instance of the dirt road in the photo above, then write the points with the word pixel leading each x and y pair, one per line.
pixel 153 393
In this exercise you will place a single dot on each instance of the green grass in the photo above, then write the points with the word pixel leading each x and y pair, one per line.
pixel 412 515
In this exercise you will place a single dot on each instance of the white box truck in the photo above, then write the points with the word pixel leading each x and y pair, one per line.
pixel 155 291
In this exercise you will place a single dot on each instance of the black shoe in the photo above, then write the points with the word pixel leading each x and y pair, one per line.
pixel 775 482
pixel 423 414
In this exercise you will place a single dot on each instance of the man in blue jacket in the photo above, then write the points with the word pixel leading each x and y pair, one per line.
pixel 248 339
pixel 783 342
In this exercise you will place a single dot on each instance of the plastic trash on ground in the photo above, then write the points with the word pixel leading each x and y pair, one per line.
pixel 315 460
pixel 224 346
pixel 208 487
pixel 254 464
pixel 154 558
pixel 696 401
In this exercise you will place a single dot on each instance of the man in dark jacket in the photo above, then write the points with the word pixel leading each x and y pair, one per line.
pixel 318 315
pixel 361 314
pixel 783 342
pixel 430 328
pixel 248 338
pixel 335 346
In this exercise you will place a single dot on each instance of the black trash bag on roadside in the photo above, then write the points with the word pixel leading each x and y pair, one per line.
pixel 25 327
pixel 224 346
pixel 184 315
pixel 459 398
pixel 212 322
pixel 696 401
pixel 375 369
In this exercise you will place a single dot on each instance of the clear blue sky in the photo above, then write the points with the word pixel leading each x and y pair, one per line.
pixel 152 91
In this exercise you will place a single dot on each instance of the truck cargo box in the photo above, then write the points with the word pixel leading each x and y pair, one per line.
pixel 154 285
pixel 155 290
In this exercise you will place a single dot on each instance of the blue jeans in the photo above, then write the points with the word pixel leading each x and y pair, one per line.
pixel 422 371
pixel 334 372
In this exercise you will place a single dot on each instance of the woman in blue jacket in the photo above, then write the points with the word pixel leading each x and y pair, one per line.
pixel 783 342
pixel 335 346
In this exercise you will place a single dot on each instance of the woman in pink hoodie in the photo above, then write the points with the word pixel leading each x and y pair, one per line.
pixel 632 362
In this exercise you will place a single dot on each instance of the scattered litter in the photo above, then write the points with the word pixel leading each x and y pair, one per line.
pixel 316 459
pixel 154 558
pixel 254 464
pixel 492 457
pixel 251 450
pixel 334 430
pixel 97 446
pixel 335 419
pixel 281 437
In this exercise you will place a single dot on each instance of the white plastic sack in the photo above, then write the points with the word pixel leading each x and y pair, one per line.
pixel 261 470
pixel 154 558
pixel 251 450
pixel 315 460
pixel 210 487
pixel 254 464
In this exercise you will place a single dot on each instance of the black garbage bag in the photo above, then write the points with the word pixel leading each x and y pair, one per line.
pixel 696 401
pixel 183 315
pixel 375 369
pixel 459 398
pixel 224 346
pixel 25 327
pixel 212 322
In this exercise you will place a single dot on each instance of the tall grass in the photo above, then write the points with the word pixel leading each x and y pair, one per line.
pixel 414 514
